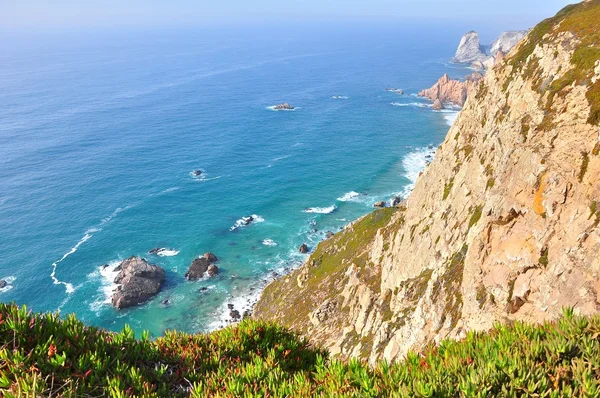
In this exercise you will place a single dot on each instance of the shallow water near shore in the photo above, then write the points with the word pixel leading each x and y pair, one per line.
pixel 101 136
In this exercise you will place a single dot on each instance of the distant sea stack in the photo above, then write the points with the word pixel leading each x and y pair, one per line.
pixel 471 51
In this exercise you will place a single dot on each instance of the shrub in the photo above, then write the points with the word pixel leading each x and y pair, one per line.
pixel 44 355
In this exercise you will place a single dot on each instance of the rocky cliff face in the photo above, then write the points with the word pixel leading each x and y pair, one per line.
pixel 502 225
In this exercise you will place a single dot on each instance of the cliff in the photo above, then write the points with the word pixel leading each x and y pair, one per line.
pixel 501 226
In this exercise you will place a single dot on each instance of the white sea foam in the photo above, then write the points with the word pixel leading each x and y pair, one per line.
pixel 106 274
pixel 349 197
pixel 450 115
pixel 269 242
pixel 412 104
pixel 9 281
pixel 246 221
pixel 340 97
pixel 414 163
pixel 167 252
pixel 321 210
pixel 87 236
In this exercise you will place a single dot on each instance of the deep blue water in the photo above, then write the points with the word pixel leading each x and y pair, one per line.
pixel 100 131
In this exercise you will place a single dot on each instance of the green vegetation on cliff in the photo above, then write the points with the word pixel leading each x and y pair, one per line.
pixel 43 355
pixel 583 22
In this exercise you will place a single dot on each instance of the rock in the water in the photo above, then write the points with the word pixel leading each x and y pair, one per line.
pixel 230 306
pixel 201 265
pixel 398 91
pixel 212 270
pixel 3 283
pixel 329 234
pixel 197 173
pixel 138 281
pixel 303 248
pixel 437 105
pixel 396 200
pixel 235 315
pixel 379 204
pixel 283 107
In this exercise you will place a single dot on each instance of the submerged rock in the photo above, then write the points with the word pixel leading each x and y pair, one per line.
pixel 3 283
pixel 398 91
pixel 138 281
pixel 197 173
pixel 202 265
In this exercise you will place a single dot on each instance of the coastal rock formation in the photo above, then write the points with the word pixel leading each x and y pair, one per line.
pixel 453 91
pixel 283 107
pixel 506 42
pixel 503 225
pixel 202 265
pixel 471 51
pixel 379 204
pixel 437 104
pixel 303 248
pixel 3 283
pixel 138 281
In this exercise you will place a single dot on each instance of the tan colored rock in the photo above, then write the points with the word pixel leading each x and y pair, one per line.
pixel 453 91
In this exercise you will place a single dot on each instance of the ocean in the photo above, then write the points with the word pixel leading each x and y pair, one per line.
pixel 100 133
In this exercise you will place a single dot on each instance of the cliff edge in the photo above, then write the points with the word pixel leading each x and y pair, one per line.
pixel 501 226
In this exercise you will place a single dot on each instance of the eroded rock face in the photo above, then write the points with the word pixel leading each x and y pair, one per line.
pixel 138 281
pixel 470 50
pixel 447 90
pixel 504 223
pixel 201 266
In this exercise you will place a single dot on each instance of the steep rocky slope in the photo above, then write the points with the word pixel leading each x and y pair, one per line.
pixel 502 225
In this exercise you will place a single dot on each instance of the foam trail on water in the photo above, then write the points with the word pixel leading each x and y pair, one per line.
pixel 87 236
pixel 269 242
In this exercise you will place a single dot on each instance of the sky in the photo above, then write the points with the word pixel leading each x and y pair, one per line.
pixel 89 13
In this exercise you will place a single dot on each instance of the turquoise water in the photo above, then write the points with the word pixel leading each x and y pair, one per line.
pixel 101 131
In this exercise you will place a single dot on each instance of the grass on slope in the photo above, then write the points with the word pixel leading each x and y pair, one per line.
pixel 583 21
pixel 43 355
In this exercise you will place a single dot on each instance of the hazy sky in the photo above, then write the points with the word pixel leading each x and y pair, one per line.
pixel 77 13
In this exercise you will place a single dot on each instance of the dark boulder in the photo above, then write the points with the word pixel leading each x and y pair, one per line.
pixel 3 283
pixel 201 265
pixel 329 234
pixel 235 315
pixel 303 248
pixel 379 204
pixel 138 281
